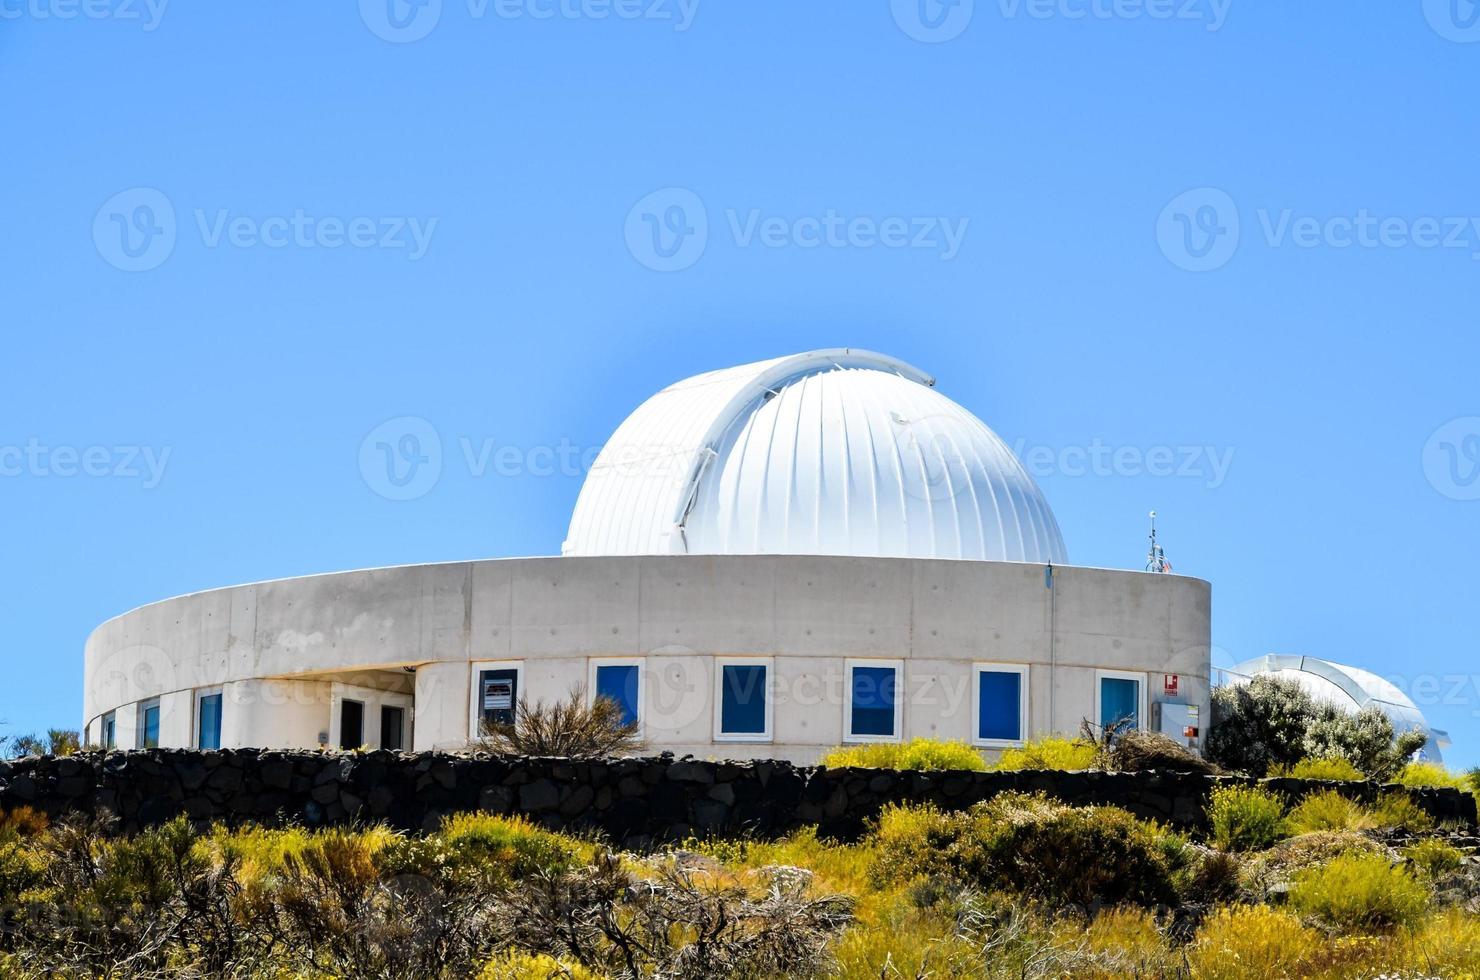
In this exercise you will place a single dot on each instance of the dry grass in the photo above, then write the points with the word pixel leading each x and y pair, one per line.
pixel 574 727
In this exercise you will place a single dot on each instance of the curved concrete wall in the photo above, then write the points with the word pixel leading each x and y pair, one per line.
pixel 281 651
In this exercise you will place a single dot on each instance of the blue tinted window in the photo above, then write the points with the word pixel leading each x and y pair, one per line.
pixel 149 729
pixel 110 732
pixel 1120 701
pixel 620 684
pixel 999 703
pixel 210 721
pixel 743 699
pixel 874 697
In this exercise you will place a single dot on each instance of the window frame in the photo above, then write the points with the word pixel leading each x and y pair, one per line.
pixel 108 740
pixel 849 665
pixel 475 692
pixel 1102 674
pixel 200 695
pixel 769 734
pixel 594 663
pixel 141 732
pixel 992 667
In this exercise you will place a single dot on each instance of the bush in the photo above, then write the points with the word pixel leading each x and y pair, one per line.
pixel 1336 770
pixel 1359 893
pixel 1271 723
pixel 1035 847
pixel 1140 751
pixel 1421 775
pixel 919 753
pixel 1245 818
pixel 1434 858
pixel 1397 810
pixel 1065 754
pixel 1252 941
pixel 1327 810
pixel 576 727
pixel 1366 739
pixel 519 965
pixel 1259 724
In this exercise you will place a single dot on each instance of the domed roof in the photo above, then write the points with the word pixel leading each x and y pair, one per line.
pixel 1351 689
pixel 833 452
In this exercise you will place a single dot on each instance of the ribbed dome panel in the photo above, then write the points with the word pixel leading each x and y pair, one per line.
pixel 829 453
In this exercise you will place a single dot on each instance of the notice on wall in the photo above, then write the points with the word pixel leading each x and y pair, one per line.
pixel 1170 684
pixel 498 696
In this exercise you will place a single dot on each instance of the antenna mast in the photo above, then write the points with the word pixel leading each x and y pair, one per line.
pixel 1156 558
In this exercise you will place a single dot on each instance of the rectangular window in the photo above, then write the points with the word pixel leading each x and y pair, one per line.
pixel 621 681
pixel 744 701
pixel 149 724
pixel 208 720
pixel 498 696
pixel 1001 696
pixel 392 727
pixel 872 708
pixel 1119 700
pixel 110 731
pixel 351 724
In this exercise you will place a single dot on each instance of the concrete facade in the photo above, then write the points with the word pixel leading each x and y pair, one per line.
pixel 284 654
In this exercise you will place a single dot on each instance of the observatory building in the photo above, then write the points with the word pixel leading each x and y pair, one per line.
pixel 764 561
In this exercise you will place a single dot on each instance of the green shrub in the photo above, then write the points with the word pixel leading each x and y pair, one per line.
pixel 1035 847
pixel 1434 858
pixel 1421 775
pixel 1259 724
pixel 485 850
pixel 1360 893
pixel 1334 769
pixel 1271 723
pixel 919 753
pixel 1327 810
pixel 1245 818
pixel 1397 809
pixel 1068 754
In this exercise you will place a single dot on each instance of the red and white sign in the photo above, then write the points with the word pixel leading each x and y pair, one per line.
pixel 1170 683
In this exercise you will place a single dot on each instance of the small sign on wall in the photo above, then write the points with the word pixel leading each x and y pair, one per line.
pixel 1171 684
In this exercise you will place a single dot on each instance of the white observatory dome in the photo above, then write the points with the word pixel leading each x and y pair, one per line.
pixel 833 452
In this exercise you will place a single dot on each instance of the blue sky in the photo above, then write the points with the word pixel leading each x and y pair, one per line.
pixel 1212 258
